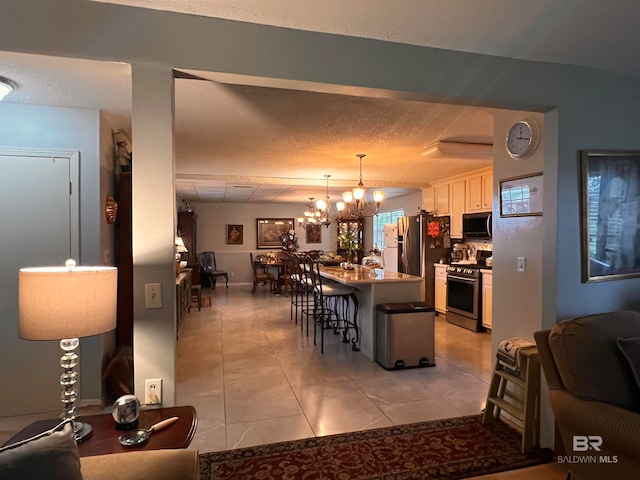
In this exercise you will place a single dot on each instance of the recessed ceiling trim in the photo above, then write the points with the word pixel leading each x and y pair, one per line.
pixel 234 180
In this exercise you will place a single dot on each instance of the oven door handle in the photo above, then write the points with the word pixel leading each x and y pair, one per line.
pixel 462 279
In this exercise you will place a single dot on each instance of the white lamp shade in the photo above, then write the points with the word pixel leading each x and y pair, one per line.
pixel 180 246
pixel 60 302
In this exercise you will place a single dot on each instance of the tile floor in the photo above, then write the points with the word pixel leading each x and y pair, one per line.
pixel 255 378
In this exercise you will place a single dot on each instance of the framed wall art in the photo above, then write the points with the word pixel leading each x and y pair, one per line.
pixel 314 233
pixel 235 234
pixel 521 196
pixel 610 215
pixel 271 230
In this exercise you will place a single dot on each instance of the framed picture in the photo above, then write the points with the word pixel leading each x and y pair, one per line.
pixel 270 231
pixel 521 196
pixel 314 233
pixel 610 214
pixel 235 234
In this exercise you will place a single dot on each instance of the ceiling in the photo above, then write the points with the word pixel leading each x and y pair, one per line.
pixel 266 144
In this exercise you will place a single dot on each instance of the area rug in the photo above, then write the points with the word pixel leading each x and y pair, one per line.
pixel 444 449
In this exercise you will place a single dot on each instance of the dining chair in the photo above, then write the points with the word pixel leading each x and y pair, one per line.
pixel 261 275
pixel 301 290
pixel 335 307
pixel 196 287
pixel 284 277
pixel 207 261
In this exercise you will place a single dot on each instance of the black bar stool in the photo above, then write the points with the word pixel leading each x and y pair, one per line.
pixel 335 307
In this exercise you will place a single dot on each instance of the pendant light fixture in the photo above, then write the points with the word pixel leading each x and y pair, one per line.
pixel 318 213
pixel 311 216
pixel 354 205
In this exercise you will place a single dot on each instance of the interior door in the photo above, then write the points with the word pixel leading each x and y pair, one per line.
pixel 39 217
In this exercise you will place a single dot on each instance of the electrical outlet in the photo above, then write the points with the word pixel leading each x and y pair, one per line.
pixel 152 295
pixel 521 265
pixel 153 391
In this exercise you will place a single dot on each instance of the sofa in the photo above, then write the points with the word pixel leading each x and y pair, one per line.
pixel 53 455
pixel 592 368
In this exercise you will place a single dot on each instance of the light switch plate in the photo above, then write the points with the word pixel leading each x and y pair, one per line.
pixel 152 295
pixel 521 265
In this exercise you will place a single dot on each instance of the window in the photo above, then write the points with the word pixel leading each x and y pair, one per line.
pixel 381 220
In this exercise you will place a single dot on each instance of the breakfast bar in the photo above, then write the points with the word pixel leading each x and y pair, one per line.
pixel 374 286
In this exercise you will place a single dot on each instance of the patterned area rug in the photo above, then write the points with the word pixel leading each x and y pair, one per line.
pixel 444 449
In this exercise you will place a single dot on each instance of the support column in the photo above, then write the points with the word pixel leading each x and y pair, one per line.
pixel 154 213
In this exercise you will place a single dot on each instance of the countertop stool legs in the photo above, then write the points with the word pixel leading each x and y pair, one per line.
pixel 335 308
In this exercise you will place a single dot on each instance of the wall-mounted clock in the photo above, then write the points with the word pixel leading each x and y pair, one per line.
pixel 522 139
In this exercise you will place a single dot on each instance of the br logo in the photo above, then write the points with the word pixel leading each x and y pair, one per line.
pixel 583 443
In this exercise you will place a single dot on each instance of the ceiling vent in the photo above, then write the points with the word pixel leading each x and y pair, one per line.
pixel 444 149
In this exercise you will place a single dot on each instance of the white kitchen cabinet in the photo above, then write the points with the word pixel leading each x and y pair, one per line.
pixel 436 199
pixel 441 199
pixel 480 193
pixel 474 194
pixel 441 288
pixel 487 192
pixel 428 200
pixel 487 298
pixel 458 195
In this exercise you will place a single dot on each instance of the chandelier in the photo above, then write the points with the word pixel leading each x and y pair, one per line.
pixel 318 213
pixel 353 205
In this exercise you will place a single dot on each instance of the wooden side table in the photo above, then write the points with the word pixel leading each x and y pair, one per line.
pixel 104 438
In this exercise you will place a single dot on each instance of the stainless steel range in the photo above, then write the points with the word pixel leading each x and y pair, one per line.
pixel 464 296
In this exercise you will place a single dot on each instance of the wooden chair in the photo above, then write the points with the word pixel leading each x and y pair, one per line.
pixel 209 267
pixel 196 287
pixel 261 275
pixel 284 279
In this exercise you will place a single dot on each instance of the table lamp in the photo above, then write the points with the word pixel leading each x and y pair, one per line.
pixel 65 303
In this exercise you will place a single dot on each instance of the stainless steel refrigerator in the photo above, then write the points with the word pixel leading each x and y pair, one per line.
pixel 423 240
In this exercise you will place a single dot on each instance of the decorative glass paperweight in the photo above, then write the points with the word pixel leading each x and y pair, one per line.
pixel 126 411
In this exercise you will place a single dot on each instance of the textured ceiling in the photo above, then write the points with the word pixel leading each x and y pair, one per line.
pixel 247 143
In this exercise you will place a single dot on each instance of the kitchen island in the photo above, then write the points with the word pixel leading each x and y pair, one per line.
pixel 375 286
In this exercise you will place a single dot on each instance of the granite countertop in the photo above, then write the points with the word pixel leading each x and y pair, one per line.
pixel 362 274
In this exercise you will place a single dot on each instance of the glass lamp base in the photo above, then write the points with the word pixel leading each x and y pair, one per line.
pixel 82 431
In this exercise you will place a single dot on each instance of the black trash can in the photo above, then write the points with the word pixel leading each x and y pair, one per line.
pixel 405 335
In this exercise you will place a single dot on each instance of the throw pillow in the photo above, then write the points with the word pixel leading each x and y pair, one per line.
pixel 51 455
pixel 630 347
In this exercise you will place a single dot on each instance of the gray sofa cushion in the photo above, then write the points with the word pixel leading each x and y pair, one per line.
pixel 588 359
pixel 630 347
pixel 51 455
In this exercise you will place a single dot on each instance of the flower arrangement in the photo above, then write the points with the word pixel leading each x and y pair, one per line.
pixel 289 241
pixel 349 241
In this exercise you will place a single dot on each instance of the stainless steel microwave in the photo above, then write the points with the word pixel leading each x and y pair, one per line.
pixel 476 225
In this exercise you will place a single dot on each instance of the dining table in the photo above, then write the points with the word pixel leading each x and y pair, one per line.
pixel 278 266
